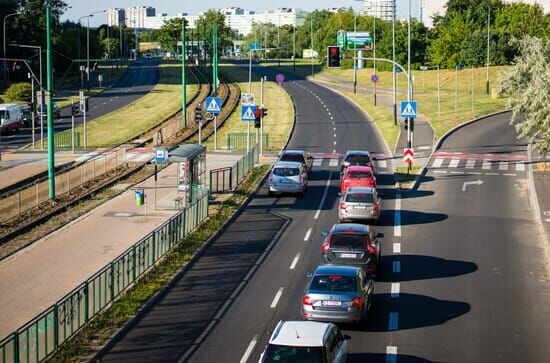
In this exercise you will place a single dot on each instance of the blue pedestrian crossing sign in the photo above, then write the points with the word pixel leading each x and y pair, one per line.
pixel 213 104
pixel 408 109
pixel 248 113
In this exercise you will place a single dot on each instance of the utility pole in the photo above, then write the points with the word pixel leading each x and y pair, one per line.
pixel 311 31
pixel 294 49
pixel 394 78
pixel 215 57
pixel 355 53
pixel 183 83
pixel 409 91
pixel 488 45
pixel 374 47
pixel 51 162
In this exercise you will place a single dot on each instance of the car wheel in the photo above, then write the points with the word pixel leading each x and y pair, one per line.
pixel 270 193
pixel 301 194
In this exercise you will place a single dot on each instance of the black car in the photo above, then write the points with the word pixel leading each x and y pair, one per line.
pixel 26 116
pixel 357 157
pixel 352 244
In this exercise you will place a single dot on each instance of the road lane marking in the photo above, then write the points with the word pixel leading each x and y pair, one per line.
pixel 520 167
pixel 395 289
pixel 440 171
pixel 316 216
pixel 454 163
pixel 397 248
pixel 437 163
pixel 492 174
pixel 334 135
pixel 249 349
pixel 317 162
pixel 333 151
pixel 334 129
pixel 333 162
pixel 382 163
pixel 474 173
pixel 486 165
pixel 276 298
pixel 334 142
pixel 391 354
pixel 503 165
pixel 393 323
pixel 396 267
pixel 509 174
pixel 457 172
pixel 397 216
pixel 308 233
pixel 470 163
pixel 295 261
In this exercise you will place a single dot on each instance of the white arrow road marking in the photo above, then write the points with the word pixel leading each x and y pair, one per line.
pixel 477 182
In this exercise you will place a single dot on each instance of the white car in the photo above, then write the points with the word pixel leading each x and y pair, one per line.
pixel 288 177
pixel 306 341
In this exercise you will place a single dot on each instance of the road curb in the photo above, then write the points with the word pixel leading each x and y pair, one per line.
pixel 533 198
pixel 439 142
pixel 115 338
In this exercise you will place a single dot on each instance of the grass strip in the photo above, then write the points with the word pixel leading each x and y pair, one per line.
pixel 107 323
pixel 406 178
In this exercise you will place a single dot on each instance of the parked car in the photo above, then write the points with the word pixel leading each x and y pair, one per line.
pixel 300 156
pixel 352 244
pixel 288 177
pixel 10 118
pixel 336 293
pixel 43 109
pixel 26 116
pixel 360 203
pixel 306 342
pixel 357 176
pixel 357 157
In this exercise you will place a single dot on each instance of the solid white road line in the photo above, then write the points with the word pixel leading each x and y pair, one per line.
pixel 395 289
pixel 333 162
pixel 294 262
pixel 397 248
pixel 509 174
pixel 440 171
pixel 308 233
pixel 249 350
pixel 316 216
pixel 382 164
pixel 391 354
pixel 454 163
pixel 520 167
pixel 503 165
pixel 277 297
pixel 486 165
pixel 317 162
pixel 396 267
pixel 437 163
pixel 457 172
pixel 492 174
pixel 393 323
pixel 470 163
pixel 474 173
pixel 397 216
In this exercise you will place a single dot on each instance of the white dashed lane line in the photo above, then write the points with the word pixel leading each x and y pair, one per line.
pixel 397 248
pixel 308 234
pixel 391 354
pixel 393 322
pixel 397 216
pixel 294 262
pixel 249 349
pixel 395 286
pixel 396 267
pixel 276 298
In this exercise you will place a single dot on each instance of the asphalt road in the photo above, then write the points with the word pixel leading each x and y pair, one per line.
pixel 137 81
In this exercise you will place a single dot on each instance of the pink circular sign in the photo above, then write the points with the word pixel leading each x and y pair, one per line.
pixel 280 78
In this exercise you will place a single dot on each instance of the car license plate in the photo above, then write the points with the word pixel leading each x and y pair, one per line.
pixel 348 255
pixel 331 303
pixel 361 207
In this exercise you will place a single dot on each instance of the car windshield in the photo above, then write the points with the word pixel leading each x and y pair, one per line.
pixel 351 241
pixel 292 157
pixel 288 354
pixel 333 283
pixel 3 114
pixel 360 198
pixel 359 174
pixel 358 159
pixel 286 171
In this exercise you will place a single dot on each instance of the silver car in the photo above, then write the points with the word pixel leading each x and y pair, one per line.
pixel 339 294
pixel 360 203
pixel 288 177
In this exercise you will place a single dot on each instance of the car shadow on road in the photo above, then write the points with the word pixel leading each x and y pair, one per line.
pixel 412 311
pixel 419 267
pixel 384 358
pixel 389 194
pixel 410 217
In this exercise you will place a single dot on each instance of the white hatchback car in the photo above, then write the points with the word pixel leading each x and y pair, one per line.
pixel 306 341
pixel 288 177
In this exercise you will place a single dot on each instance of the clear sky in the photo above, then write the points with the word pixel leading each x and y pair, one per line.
pixel 172 7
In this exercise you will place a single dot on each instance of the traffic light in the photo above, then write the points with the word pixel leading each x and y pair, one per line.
pixel 258 118
pixel 198 113
pixel 264 111
pixel 75 108
pixel 333 56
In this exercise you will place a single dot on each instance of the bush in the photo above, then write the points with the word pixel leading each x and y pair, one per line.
pixel 19 92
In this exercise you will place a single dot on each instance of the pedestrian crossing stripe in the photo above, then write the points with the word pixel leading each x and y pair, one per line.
pixel 456 163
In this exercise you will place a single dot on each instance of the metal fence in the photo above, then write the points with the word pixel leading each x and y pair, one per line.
pixel 226 179
pixel 64 140
pixel 43 335
pixel 238 140
pixel 34 195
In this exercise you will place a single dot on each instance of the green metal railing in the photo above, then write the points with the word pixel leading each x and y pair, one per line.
pixel 238 140
pixel 225 179
pixel 42 336
pixel 64 140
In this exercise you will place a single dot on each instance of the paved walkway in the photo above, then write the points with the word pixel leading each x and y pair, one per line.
pixel 36 277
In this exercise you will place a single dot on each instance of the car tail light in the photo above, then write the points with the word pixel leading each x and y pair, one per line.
pixel 342 205
pixel 370 247
pixel 325 247
pixel 376 207
pixel 356 302
pixel 306 300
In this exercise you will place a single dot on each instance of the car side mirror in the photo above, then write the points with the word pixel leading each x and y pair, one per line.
pixel 380 235
pixel 324 233
pixel 309 274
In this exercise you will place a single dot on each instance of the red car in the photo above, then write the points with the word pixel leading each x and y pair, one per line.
pixel 357 176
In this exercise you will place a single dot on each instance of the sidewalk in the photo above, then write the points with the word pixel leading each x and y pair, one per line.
pixel 541 179
pixel 38 276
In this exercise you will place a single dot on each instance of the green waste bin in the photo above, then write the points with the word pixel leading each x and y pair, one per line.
pixel 140 197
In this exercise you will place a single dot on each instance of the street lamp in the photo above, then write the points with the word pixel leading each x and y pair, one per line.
pixel 5 54
pixel 88 46
pixel 394 78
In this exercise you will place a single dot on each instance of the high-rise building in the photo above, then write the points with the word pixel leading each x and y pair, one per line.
pixel 382 9
pixel 422 11
pixel 135 16
pixel 116 17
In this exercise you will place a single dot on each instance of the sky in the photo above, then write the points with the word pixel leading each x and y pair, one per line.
pixel 172 7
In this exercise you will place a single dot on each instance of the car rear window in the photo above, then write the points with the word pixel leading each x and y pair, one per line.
pixel 359 174
pixel 351 241
pixel 293 157
pixel 286 354
pixel 358 159
pixel 286 171
pixel 360 198
pixel 333 283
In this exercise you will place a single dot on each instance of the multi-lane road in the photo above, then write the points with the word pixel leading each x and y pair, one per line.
pixel 137 81
pixel 463 277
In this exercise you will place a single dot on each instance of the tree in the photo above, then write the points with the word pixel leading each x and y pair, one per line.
pixel 449 39
pixel 170 33
pixel 528 85
pixel 204 26
pixel 519 19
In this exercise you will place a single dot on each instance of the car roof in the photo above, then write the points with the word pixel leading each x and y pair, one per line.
pixel 6 105
pixel 357 152
pixel 287 164
pixel 342 270
pixel 360 190
pixel 300 333
pixel 359 168
pixel 350 227
pixel 293 152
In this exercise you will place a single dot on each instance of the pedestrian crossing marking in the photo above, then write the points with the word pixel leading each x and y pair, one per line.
pixel 486 165
pixel 437 163
pixel 317 162
pixel 333 162
pixel 503 165
pixel 520 167
pixel 382 163
pixel 453 163
pixel 470 163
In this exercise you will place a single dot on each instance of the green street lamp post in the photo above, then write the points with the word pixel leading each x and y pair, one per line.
pixel 183 83
pixel 51 161
pixel 215 57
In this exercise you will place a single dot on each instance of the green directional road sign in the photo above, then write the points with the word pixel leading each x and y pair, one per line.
pixel 341 39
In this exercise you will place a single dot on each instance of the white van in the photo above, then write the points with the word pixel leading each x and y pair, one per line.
pixel 10 117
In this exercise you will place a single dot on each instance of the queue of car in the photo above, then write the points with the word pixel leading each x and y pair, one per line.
pixel 341 289
pixel 13 116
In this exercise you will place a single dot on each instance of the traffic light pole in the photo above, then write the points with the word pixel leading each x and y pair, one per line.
pixel 183 80
pixel 51 160
pixel 261 116
pixel 215 57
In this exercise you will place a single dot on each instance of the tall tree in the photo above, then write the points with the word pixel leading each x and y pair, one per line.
pixel 170 33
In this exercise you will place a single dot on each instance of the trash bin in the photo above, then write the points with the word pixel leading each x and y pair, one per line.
pixel 140 197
